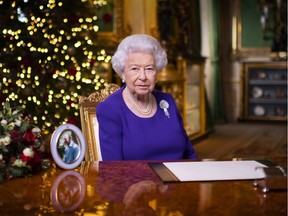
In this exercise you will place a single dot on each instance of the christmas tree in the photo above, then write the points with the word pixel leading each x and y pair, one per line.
pixel 49 56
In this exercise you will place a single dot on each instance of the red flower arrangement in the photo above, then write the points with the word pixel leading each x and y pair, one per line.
pixel 20 144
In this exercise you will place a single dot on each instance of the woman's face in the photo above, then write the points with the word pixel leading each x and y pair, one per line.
pixel 140 73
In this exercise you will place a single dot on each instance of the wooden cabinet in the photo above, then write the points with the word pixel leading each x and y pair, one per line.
pixel 264 91
pixel 185 81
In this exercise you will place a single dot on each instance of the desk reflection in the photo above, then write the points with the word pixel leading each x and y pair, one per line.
pixel 132 188
pixel 68 191
pixel 138 196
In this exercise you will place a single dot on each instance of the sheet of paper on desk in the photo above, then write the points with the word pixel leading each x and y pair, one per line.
pixel 214 170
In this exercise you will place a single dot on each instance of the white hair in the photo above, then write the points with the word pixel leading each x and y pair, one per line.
pixel 136 43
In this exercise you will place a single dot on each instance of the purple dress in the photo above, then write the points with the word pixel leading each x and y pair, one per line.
pixel 125 136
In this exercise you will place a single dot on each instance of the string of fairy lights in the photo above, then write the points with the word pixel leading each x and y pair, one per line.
pixel 56 67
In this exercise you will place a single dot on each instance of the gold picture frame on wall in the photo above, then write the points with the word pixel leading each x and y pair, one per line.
pixel 247 38
pixel 111 35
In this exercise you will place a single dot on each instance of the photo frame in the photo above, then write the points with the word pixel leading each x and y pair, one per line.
pixel 246 19
pixel 68 146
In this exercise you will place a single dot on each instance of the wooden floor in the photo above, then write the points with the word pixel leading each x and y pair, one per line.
pixel 243 140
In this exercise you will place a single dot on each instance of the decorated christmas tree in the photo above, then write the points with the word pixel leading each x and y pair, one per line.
pixel 49 56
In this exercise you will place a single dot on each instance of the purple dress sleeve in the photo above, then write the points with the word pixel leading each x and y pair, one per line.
pixel 110 130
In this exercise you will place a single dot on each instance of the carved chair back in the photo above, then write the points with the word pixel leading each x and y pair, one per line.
pixel 89 123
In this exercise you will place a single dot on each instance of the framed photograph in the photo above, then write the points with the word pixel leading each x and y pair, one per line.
pixel 111 23
pixel 68 191
pixel 68 146
pixel 247 34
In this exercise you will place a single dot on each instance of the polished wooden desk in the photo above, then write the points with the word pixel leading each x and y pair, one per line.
pixel 133 188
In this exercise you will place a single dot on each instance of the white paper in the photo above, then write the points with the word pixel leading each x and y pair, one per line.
pixel 214 170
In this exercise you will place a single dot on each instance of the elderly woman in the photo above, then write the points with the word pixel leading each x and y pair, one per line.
pixel 138 122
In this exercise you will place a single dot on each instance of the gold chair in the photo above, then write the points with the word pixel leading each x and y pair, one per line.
pixel 89 124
